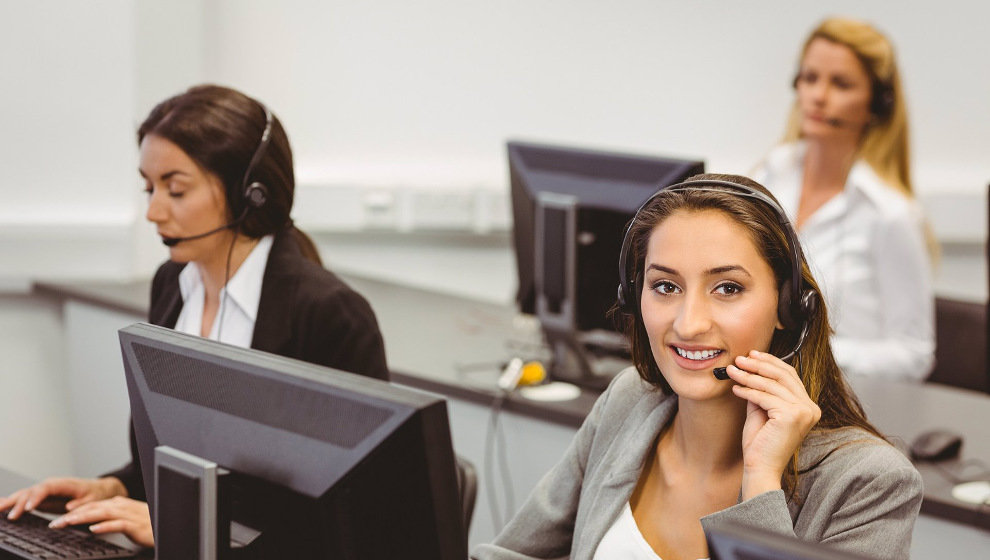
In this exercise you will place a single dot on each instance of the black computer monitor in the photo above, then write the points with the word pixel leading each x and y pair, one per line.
pixel 320 463
pixel 736 541
pixel 570 208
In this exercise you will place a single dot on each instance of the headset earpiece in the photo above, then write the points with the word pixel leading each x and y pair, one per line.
pixel 256 195
pixel 882 102
pixel 794 314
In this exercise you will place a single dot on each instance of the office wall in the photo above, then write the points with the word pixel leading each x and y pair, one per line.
pixel 399 111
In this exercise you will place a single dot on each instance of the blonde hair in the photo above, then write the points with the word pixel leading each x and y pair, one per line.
pixel 885 141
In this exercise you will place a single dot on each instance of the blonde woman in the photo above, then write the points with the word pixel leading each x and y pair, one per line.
pixel 842 175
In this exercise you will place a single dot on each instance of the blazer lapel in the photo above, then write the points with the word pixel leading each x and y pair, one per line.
pixel 622 464
pixel 273 325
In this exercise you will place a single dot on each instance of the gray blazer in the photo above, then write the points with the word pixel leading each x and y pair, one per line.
pixel 855 491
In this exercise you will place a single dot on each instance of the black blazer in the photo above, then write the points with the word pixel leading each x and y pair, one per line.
pixel 305 312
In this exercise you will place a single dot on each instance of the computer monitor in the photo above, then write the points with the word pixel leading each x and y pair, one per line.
pixel 319 463
pixel 570 208
pixel 736 541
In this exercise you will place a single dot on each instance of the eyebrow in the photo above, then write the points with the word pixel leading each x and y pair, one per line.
pixel 165 176
pixel 710 272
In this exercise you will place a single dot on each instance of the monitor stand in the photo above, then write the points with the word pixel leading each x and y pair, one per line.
pixel 192 506
pixel 589 360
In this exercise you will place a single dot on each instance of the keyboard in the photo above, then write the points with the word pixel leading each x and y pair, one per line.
pixel 29 537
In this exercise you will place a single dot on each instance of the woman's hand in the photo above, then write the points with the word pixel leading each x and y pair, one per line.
pixel 79 490
pixel 779 415
pixel 116 515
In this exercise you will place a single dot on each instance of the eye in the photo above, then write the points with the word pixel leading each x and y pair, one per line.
pixel 728 289
pixel 808 77
pixel 665 287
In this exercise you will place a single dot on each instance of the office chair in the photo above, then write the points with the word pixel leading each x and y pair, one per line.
pixel 467 484
pixel 961 345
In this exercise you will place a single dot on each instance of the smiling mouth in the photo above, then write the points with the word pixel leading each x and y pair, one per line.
pixel 697 355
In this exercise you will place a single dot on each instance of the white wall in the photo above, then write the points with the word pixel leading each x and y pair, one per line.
pixel 387 98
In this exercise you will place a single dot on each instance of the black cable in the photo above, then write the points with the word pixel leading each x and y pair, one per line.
pixel 226 277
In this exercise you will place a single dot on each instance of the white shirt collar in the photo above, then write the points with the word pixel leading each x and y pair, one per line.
pixel 242 293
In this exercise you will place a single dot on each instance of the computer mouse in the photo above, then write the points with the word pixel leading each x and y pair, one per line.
pixel 936 445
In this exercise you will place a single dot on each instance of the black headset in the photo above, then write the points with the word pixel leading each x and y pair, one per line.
pixel 256 194
pixel 796 304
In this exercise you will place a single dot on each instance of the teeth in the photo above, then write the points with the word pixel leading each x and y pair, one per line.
pixel 697 354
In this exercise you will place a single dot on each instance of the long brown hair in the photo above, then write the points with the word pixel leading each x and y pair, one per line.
pixel 816 365
pixel 220 129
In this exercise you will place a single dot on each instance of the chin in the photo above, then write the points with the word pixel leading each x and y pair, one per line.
pixel 697 385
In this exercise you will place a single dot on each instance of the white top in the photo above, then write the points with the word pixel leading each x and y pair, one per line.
pixel 239 299
pixel 866 248
pixel 623 540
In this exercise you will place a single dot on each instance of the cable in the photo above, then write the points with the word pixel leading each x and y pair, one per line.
pixel 226 278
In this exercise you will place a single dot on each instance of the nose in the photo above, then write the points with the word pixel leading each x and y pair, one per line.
pixel 157 207
pixel 693 317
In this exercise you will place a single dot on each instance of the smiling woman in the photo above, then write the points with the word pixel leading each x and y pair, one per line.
pixel 712 277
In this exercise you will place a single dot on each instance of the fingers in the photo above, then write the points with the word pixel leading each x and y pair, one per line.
pixel 769 383
pixel 768 373
pixel 27 499
pixel 118 514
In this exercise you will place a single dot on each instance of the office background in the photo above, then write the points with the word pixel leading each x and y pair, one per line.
pixel 398 113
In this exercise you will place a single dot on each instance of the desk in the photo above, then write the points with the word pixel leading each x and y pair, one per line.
pixel 428 336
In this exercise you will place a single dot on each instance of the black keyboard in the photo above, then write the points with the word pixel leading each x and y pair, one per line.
pixel 29 537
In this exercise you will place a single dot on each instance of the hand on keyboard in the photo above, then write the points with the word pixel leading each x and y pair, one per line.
pixel 116 515
pixel 79 491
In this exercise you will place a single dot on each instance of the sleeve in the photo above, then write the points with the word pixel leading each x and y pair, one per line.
pixel 130 475
pixel 544 525
pixel 868 512
pixel 907 301
pixel 342 333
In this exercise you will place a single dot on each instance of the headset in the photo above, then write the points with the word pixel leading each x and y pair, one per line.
pixel 254 195
pixel 795 304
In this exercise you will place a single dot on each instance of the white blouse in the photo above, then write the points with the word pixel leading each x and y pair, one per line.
pixel 624 541
pixel 239 299
pixel 866 248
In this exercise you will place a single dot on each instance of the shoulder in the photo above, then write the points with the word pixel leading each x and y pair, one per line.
pixel 629 400
pixel 323 292
pixel 859 458
pixel 885 201
pixel 782 157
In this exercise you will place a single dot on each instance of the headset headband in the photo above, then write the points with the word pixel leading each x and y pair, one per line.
pixel 627 287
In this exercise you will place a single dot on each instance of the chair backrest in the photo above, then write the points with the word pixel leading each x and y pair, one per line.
pixel 961 345
pixel 467 482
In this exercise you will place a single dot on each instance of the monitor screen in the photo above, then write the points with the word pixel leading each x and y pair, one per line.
pixel 735 541
pixel 321 463
pixel 570 208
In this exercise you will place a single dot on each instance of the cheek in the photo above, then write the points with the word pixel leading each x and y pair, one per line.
pixel 751 327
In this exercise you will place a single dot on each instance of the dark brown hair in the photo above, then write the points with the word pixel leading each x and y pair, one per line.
pixel 819 372
pixel 220 129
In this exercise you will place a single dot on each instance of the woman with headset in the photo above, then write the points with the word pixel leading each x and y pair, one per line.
pixel 736 410
pixel 842 174
pixel 217 168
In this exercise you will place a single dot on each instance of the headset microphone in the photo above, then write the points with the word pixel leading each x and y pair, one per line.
pixel 173 241
pixel 837 123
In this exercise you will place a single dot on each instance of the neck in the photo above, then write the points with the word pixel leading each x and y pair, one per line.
pixel 718 424
pixel 827 162
pixel 215 272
